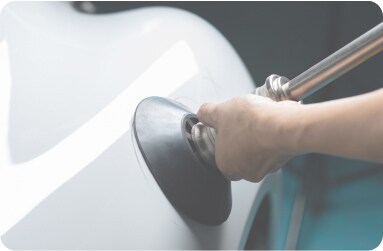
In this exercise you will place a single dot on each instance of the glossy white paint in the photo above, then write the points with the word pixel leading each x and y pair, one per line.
pixel 74 177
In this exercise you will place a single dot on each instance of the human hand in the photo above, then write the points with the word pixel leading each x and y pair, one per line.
pixel 255 135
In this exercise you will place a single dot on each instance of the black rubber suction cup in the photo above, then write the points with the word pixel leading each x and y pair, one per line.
pixel 162 129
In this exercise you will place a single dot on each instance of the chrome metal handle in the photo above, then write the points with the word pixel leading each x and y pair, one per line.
pixel 327 70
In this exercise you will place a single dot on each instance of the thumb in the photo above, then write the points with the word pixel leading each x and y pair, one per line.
pixel 207 114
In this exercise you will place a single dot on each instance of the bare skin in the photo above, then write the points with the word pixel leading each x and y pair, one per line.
pixel 256 135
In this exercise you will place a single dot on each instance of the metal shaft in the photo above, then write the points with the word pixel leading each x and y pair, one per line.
pixel 335 65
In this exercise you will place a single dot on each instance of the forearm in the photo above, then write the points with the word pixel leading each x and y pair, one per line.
pixel 350 127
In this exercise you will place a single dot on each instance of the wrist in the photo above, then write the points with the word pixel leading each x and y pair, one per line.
pixel 296 124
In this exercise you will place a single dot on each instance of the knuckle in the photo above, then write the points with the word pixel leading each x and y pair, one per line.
pixel 207 113
pixel 204 107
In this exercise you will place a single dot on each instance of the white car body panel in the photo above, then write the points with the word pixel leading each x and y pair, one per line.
pixel 74 177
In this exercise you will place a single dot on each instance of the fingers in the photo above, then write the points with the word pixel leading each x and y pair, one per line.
pixel 207 114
